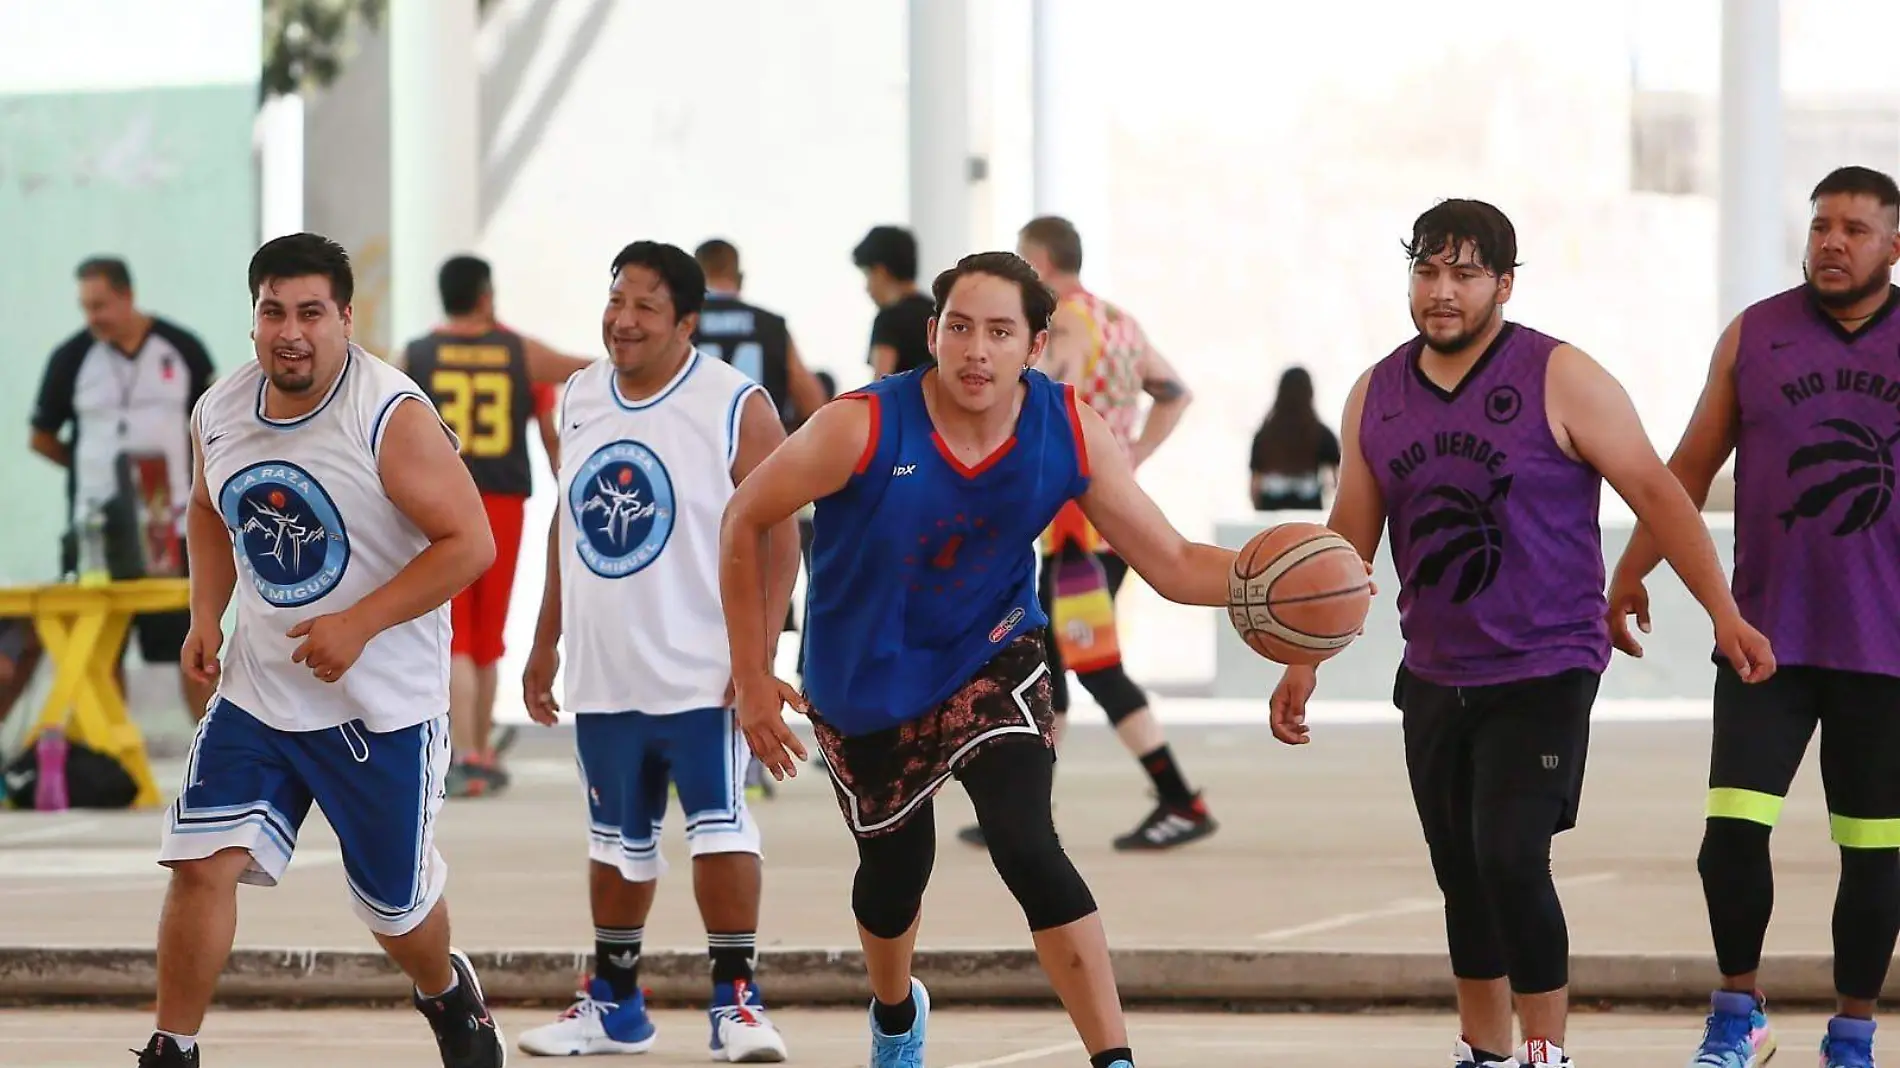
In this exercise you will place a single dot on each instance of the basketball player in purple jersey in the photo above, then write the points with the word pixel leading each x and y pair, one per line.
pixel 924 656
pixel 1484 444
pixel 1803 390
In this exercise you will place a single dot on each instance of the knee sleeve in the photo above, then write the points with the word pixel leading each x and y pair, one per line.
pixel 1009 784
pixel 1738 885
pixel 893 870
pixel 1512 839
pixel 1115 692
pixel 1866 920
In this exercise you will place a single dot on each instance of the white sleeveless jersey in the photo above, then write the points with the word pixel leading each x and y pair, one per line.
pixel 313 532
pixel 643 488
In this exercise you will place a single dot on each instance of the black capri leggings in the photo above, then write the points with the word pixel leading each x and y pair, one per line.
pixel 1009 782
pixel 1111 687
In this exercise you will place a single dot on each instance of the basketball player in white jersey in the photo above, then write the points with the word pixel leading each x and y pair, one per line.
pixel 326 482
pixel 652 443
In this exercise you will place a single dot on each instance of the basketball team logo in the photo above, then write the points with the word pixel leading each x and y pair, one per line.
pixel 621 500
pixel 288 533
pixel 1853 462
pixel 1471 537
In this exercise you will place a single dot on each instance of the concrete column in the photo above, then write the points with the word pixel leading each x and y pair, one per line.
pixel 1753 227
pixel 1071 127
pixel 939 134
pixel 279 139
pixel 434 153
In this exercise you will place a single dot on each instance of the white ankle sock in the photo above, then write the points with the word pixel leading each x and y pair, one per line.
pixel 185 1043
pixel 454 981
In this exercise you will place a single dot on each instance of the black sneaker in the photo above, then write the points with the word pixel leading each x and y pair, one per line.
pixel 162 1052
pixel 1168 826
pixel 973 835
pixel 465 1031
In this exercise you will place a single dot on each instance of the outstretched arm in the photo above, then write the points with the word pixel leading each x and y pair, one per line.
pixel 1181 570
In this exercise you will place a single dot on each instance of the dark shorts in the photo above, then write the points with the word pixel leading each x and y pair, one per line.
pixel 162 635
pixel 1761 736
pixel 1484 745
pixel 884 778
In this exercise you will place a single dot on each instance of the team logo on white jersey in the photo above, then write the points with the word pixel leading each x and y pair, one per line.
pixel 287 531
pixel 622 504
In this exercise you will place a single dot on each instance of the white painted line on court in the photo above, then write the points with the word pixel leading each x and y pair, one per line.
pixel 1405 906
pixel 63 829
pixel 1026 1055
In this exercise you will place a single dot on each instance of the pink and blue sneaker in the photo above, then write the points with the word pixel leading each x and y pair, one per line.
pixel 1736 1034
pixel 1849 1043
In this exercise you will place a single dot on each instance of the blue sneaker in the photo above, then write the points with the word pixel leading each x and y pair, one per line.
pixel 740 1032
pixel 1849 1043
pixel 595 1023
pixel 905 1050
pixel 1736 1034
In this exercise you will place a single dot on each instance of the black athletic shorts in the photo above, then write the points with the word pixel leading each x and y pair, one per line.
pixel 1480 745
pixel 1761 735
pixel 161 635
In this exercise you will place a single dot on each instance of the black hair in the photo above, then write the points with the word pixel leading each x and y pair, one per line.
pixel 302 255
pixel 109 269
pixel 717 256
pixel 1058 237
pixel 462 281
pixel 1289 438
pixel 1039 301
pixel 685 282
pixel 1864 181
pixel 890 247
pixel 1448 224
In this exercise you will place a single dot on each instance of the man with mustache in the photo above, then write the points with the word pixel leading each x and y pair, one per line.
pixel 1485 445
pixel 1803 389
pixel 325 477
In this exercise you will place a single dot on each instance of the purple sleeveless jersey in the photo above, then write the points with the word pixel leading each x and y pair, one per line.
pixel 1494 530
pixel 1817 546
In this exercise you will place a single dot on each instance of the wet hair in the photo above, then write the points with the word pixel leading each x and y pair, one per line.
pixel 890 247
pixel 108 269
pixel 462 281
pixel 685 282
pixel 1447 225
pixel 717 257
pixel 1058 237
pixel 1859 181
pixel 302 255
pixel 1289 438
pixel 1039 301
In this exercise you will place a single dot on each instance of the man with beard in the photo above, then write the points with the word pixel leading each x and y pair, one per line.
pixel 1802 390
pixel 1484 444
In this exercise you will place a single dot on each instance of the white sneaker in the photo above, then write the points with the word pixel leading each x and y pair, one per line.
pixel 1462 1057
pixel 594 1024
pixel 741 1032
pixel 1540 1053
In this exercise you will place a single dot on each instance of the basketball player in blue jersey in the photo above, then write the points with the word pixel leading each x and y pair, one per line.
pixel 653 440
pixel 325 477
pixel 924 657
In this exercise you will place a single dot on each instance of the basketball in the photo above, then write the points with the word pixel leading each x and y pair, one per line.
pixel 1299 593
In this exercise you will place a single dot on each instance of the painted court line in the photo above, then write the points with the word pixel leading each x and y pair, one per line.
pixel 1405 906
pixel 1026 1055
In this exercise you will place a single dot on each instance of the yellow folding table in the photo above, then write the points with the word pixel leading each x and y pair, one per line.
pixel 83 629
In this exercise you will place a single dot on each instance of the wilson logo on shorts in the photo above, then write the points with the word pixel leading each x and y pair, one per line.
pixel 1861 464
pixel 1008 624
pixel 621 501
pixel 287 531
pixel 1476 538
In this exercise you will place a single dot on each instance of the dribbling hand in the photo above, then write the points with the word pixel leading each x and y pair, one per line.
pixel 1289 705
pixel 1747 649
pixel 537 684
pixel 760 703
pixel 1628 599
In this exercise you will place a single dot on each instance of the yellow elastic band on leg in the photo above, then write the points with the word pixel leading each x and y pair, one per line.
pixel 1864 834
pixel 1751 805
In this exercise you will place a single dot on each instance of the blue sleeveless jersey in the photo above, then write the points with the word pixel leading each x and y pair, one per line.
pixel 922 569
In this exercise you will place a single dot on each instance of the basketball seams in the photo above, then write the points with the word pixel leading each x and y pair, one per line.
pixel 1251 614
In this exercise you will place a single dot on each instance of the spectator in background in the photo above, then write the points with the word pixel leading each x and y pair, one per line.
pixel 19 656
pixel 1295 457
pixel 900 335
pixel 123 387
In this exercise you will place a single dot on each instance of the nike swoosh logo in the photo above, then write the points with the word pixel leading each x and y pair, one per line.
pixel 214 438
pixel 1386 417
pixel 1772 345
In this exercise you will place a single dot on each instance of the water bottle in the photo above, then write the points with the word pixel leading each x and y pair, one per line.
pixel 49 792
pixel 93 570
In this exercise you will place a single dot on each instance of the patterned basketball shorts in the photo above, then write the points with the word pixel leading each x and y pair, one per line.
pixel 883 779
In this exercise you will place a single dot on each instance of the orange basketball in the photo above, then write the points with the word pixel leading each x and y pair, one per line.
pixel 1299 593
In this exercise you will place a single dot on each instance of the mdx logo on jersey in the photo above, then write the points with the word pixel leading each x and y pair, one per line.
pixel 621 501
pixel 287 532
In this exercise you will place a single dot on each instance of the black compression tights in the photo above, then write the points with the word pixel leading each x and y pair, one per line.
pixel 1009 782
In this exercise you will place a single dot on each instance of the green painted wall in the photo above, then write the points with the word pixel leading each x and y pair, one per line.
pixel 163 177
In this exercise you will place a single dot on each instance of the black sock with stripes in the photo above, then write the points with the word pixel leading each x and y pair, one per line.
pixel 1108 1058
pixel 617 958
pixel 733 955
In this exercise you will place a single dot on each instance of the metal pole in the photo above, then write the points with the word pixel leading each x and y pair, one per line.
pixel 433 152
pixel 939 133
pixel 1753 229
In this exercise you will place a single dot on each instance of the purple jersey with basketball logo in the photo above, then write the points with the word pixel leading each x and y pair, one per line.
pixel 1494 530
pixel 1817 546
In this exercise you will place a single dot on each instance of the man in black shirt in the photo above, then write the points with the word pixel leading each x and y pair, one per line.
pixel 750 338
pixel 900 335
